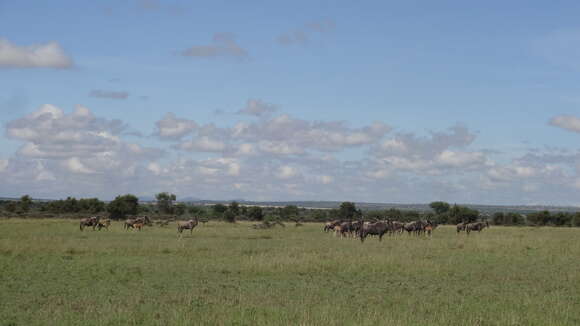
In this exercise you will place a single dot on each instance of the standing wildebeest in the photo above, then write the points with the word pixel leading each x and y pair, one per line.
pixel 130 223
pixel 477 226
pixel 461 227
pixel 104 224
pixel 329 226
pixel 188 225
pixel 398 226
pixel 90 221
pixel 377 228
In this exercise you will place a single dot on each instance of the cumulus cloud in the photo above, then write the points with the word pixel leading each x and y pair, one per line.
pixel 47 55
pixel 276 157
pixel 223 45
pixel 279 135
pixel 114 95
pixel 257 107
pixel 287 172
pixel 567 122
pixel 171 127
pixel 435 154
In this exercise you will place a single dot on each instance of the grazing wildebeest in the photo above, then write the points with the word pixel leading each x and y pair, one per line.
pixel 90 221
pixel 188 225
pixel 398 226
pixel 461 227
pixel 413 227
pixel 130 223
pixel 477 226
pixel 104 224
pixel 330 225
pixel 377 228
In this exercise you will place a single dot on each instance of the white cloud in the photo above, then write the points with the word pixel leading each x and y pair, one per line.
pixel 203 144
pixel 171 127
pixel 257 107
pixel 75 165
pixel 286 172
pixel 567 122
pixel 47 55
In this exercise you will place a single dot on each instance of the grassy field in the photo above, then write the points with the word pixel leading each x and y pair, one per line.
pixel 223 274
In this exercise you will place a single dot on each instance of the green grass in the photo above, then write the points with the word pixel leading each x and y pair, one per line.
pixel 222 274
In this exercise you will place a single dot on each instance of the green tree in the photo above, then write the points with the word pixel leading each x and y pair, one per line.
pixel 440 207
pixel 196 211
pixel 458 214
pixel 347 210
pixel 229 216
pixel 179 209
pixel 165 202
pixel 234 208
pixel 539 218
pixel 219 210
pixel 25 203
pixel 499 218
pixel 289 211
pixel 123 206
pixel 256 213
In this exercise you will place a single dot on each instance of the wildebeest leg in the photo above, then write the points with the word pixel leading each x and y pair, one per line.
pixel 381 236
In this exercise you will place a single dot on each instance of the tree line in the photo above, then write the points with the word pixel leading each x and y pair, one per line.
pixel 166 206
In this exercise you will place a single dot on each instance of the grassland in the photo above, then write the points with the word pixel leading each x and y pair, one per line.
pixel 223 274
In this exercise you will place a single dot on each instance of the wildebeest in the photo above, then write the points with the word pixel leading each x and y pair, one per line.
pixel 130 223
pixel 329 226
pixel 187 225
pixel 461 227
pixel 104 224
pixel 477 226
pixel 398 226
pixel 90 221
pixel 377 228
pixel 138 226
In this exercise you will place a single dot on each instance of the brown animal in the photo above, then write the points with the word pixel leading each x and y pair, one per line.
pixel 138 226
pixel 461 227
pixel 130 223
pixel 477 226
pixel 188 225
pixel 329 226
pixel 377 228
pixel 90 221
pixel 104 224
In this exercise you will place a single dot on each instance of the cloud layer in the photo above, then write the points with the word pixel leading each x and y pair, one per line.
pixel 276 157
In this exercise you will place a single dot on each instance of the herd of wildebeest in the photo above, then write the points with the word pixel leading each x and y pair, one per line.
pixel 361 229
pixel 341 228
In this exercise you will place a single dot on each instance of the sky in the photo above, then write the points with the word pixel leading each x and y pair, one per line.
pixel 372 101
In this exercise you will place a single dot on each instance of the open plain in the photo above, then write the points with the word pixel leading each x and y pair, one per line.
pixel 230 274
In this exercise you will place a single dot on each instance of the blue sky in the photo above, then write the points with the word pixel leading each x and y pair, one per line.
pixel 501 75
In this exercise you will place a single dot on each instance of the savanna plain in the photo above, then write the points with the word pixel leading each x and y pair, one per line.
pixel 231 274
